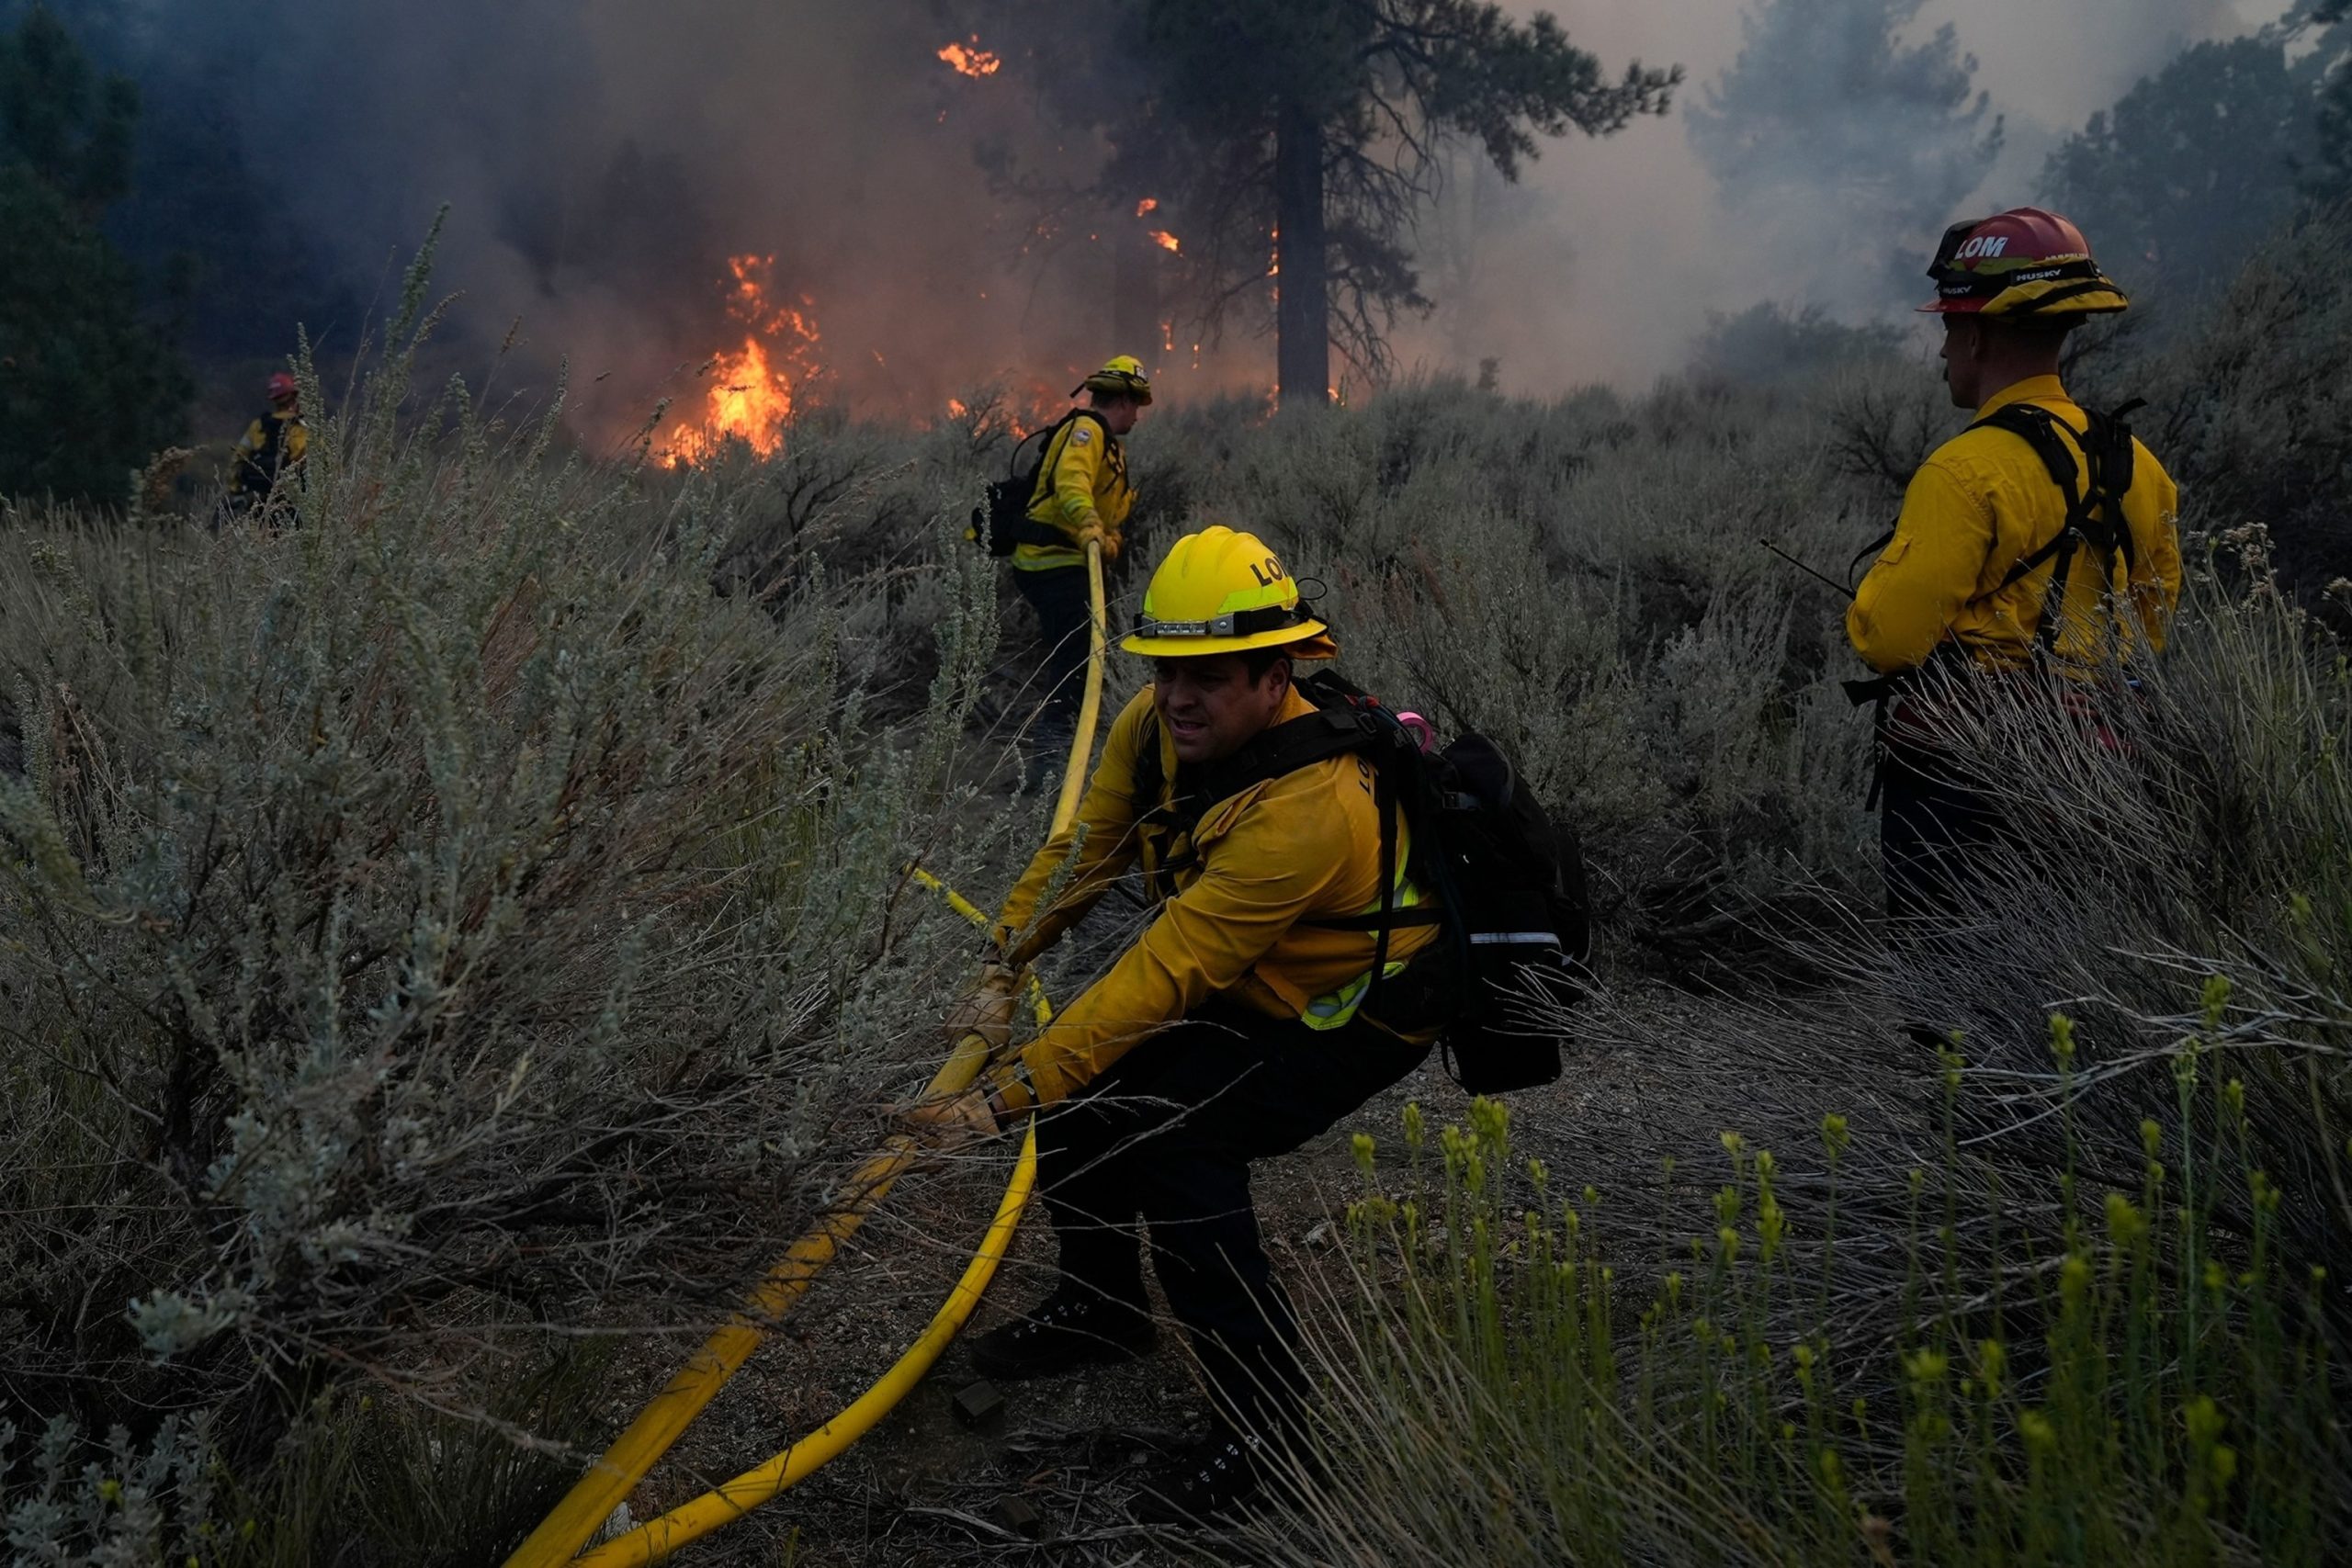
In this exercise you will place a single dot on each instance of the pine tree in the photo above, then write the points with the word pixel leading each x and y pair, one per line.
pixel 2328 176
pixel 1830 128
pixel 2176 182
pixel 1316 130
pixel 1295 147
pixel 87 390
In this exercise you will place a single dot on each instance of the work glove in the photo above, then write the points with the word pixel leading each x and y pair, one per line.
pixel 949 1122
pixel 988 1011
pixel 1095 533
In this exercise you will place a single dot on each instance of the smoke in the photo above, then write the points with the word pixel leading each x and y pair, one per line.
pixel 1611 256
pixel 603 162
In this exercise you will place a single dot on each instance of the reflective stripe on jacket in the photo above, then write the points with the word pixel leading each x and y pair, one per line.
pixel 1983 502
pixel 1082 476
pixel 1302 847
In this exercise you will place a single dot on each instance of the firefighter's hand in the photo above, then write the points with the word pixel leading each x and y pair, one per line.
pixel 988 1011
pixel 1094 532
pixel 951 1123
pixel 1110 548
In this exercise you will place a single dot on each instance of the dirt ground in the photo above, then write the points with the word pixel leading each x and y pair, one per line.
pixel 923 1488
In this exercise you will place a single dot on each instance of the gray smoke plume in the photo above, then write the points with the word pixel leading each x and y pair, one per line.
pixel 604 162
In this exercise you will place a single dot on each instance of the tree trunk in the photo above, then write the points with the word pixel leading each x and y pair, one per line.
pixel 1135 262
pixel 1302 307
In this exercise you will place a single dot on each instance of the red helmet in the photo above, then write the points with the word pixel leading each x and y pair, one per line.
pixel 281 386
pixel 2024 264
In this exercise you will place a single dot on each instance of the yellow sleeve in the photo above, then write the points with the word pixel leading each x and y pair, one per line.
pixel 1909 598
pixel 253 438
pixel 298 441
pixel 1275 866
pixel 2155 585
pixel 1107 813
pixel 1074 480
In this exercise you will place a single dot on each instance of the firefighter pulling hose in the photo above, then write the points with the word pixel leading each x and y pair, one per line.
pixel 1329 896
pixel 1332 895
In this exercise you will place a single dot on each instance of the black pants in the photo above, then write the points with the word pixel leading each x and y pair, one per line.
pixel 1936 829
pixel 1166 1134
pixel 1059 598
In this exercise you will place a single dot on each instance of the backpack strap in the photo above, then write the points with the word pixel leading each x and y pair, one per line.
pixel 2094 499
pixel 1873 548
pixel 1283 749
pixel 1043 482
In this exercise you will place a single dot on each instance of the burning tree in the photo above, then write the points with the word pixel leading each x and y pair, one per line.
pixel 1312 135
pixel 752 390
pixel 1281 154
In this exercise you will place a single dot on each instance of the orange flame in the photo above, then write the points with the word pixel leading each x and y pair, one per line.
pixel 1164 240
pixel 1149 203
pixel 972 61
pixel 752 392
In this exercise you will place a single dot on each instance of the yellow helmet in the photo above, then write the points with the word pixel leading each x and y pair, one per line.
pixel 1122 376
pixel 1220 591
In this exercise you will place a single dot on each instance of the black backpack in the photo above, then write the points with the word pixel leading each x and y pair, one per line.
pixel 1001 521
pixel 1508 881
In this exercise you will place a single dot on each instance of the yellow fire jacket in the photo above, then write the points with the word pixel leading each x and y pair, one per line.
pixel 1302 847
pixel 263 453
pixel 1980 504
pixel 1082 478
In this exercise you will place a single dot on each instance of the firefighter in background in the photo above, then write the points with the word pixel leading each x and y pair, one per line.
pixel 1081 496
pixel 1241 1022
pixel 273 446
pixel 2035 548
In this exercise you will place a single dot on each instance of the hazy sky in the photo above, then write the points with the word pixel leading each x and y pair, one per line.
pixel 1625 248
pixel 603 159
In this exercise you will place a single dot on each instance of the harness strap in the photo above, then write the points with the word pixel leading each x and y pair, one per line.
pixel 1337 727
pixel 1043 484
pixel 1027 532
pixel 1383 795
pixel 1880 692
pixel 1873 548
pixel 2094 501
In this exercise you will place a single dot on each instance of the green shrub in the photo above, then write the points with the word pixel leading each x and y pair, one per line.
pixel 441 919
pixel 1517 1384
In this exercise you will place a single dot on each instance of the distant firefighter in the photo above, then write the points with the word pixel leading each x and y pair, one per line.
pixel 273 446
pixel 1080 496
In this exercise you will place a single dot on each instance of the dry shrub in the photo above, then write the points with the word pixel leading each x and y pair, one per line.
pixel 435 921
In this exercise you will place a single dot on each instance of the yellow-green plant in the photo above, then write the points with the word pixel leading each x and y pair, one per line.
pixel 2160 1390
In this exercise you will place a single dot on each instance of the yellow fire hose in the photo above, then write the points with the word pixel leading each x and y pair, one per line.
pixel 656 1538
pixel 591 1500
